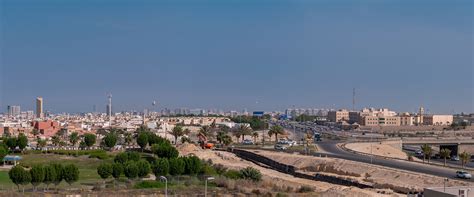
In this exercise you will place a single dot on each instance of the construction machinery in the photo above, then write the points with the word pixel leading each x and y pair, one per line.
pixel 204 143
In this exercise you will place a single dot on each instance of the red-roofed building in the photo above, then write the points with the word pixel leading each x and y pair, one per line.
pixel 47 128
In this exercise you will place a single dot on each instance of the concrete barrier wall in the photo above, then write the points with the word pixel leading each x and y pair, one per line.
pixel 288 169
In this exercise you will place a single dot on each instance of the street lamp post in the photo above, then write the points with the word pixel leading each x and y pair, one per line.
pixel 163 178
pixel 207 179
pixel 445 180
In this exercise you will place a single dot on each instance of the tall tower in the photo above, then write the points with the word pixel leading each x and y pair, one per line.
pixel 421 112
pixel 39 107
pixel 109 105
pixel 353 99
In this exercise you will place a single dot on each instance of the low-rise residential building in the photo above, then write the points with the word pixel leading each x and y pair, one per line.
pixel 438 120
pixel 338 116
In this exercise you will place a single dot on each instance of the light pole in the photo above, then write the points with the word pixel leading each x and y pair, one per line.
pixel 445 180
pixel 163 178
pixel 207 179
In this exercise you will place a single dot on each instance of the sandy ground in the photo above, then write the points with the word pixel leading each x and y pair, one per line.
pixel 379 149
pixel 233 162
pixel 380 176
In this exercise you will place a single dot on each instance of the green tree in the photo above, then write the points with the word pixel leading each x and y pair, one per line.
pixel 22 141
pixel 3 153
pixel 70 173
pixel 177 166
pixel 243 130
pixel 40 143
pixel 133 156
pixel 165 150
pixel 131 170
pixel 110 140
pixel 427 151
pixel 276 130
pixel 89 139
pixel 128 138
pixel 117 170
pixel 11 143
pixel 19 176
pixel 104 170
pixel 37 175
pixel 59 169
pixel 206 131
pixel 192 165
pixel 445 153
pixel 176 132
pixel 220 136
pixel 49 175
pixel 255 136
pixel 143 168
pixel 227 140
pixel 121 158
pixel 465 158
pixel 56 140
pixel 74 138
pixel 161 167
pixel 35 132
pixel 142 140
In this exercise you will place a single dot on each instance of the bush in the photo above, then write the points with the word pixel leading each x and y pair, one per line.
pixel 104 170
pixel 149 184
pixel 251 174
pixel 126 156
pixel 70 173
pixel 220 169
pixel 232 174
pixel 208 170
pixel 117 170
pixel 99 155
pixel 305 189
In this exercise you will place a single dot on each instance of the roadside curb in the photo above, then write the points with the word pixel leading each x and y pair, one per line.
pixel 343 147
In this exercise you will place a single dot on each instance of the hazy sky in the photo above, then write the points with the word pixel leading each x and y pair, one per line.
pixel 253 54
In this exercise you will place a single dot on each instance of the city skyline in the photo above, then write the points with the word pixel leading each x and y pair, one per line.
pixel 236 55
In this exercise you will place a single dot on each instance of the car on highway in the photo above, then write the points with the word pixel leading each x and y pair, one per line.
pixel 454 158
pixel 463 175
pixel 280 147
pixel 247 142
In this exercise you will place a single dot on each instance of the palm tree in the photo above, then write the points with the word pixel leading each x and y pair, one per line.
pixel 227 140
pixel 177 131
pixel 427 151
pixel 56 140
pixel 35 132
pixel 220 136
pixel 445 153
pixel 255 136
pixel 206 131
pixel 74 138
pixel 465 158
pixel 128 138
pixel 40 143
pixel 276 130
pixel 186 131
pixel 244 130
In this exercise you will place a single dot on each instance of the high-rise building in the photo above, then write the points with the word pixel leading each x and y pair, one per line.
pixel 109 105
pixel 39 107
pixel 13 110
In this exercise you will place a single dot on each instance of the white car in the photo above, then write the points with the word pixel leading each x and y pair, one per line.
pixel 463 175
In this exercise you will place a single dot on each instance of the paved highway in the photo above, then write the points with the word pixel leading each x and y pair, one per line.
pixel 333 150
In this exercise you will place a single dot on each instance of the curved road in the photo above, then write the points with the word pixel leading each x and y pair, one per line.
pixel 333 150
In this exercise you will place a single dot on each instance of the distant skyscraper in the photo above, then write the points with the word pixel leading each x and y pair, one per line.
pixel 13 110
pixel 39 107
pixel 109 105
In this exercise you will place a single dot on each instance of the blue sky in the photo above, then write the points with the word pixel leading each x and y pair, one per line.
pixel 231 54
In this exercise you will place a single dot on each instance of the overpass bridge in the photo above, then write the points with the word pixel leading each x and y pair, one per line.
pixel 456 145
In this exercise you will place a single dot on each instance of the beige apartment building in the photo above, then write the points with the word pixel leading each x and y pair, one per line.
pixel 407 120
pixel 438 120
pixel 381 121
pixel 338 116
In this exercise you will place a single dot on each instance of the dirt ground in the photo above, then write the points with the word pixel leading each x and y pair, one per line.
pixel 324 189
pixel 365 173
pixel 376 148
